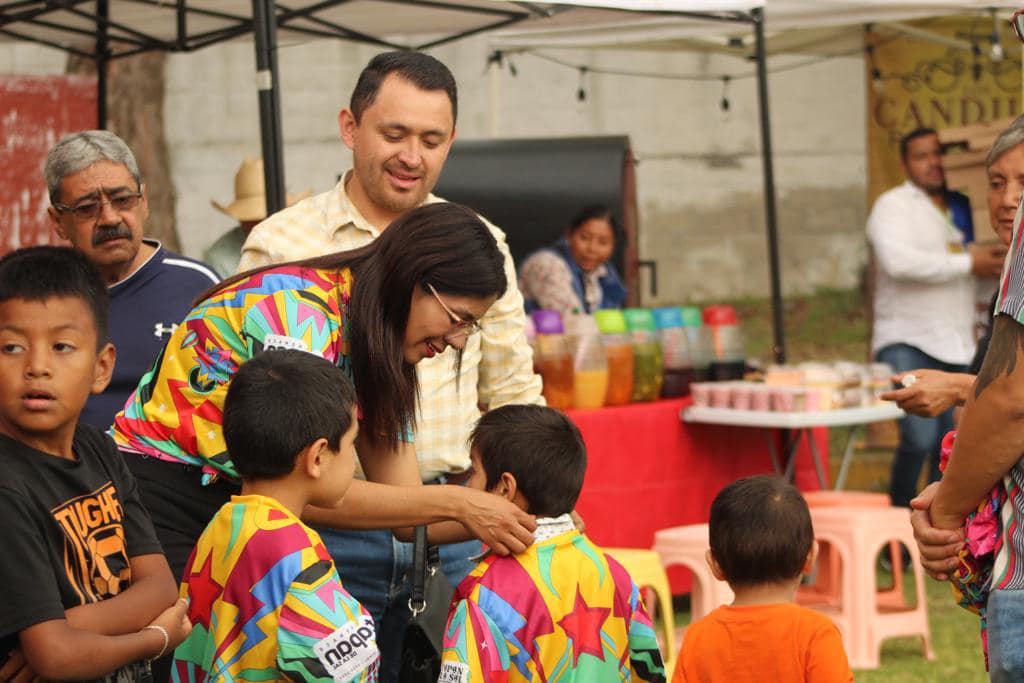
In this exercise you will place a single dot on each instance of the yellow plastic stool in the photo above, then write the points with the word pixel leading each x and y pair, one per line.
pixel 644 566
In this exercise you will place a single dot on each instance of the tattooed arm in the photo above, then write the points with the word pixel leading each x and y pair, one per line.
pixel 990 438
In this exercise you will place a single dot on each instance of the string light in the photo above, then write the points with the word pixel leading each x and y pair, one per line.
pixel 996 52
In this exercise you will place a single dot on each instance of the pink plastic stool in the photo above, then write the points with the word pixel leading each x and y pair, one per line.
pixel 825 588
pixel 857 534
pixel 686 545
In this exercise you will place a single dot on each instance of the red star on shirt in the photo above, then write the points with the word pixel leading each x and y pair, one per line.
pixel 583 627
pixel 202 592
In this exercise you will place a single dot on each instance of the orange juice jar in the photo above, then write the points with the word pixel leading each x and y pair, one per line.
pixel 618 348
pixel 553 360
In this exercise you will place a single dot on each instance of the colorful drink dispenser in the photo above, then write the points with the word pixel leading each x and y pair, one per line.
pixel 728 359
pixel 618 349
pixel 677 357
pixel 553 359
pixel 590 366
pixel 647 369
pixel 700 342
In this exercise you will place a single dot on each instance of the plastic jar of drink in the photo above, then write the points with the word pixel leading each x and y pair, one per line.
pixel 729 357
pixel 700 342
pixel 589 364
pixel 676 355
pixel 553 359
pixel 647 368
pixel 618 349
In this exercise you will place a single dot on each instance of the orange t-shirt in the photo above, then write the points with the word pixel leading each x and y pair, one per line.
pixel 757 643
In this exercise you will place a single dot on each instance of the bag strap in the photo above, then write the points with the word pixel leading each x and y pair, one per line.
pixel 425 562
pixel 417 603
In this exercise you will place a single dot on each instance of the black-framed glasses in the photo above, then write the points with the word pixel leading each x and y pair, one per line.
pixel 460 328
pixel 89 210
pixel 1017 22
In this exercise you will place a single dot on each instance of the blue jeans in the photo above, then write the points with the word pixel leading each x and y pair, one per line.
pixel 374 568
pixel 1006 636
pixel 920 437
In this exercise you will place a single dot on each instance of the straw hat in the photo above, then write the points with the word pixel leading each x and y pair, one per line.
pixel 250 202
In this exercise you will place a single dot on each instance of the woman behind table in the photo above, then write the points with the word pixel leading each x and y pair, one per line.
pixel 375 311
pixel 575 273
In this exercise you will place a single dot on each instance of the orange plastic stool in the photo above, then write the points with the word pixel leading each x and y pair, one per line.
pixel 686 545
pixel 824 590
pixel 857 534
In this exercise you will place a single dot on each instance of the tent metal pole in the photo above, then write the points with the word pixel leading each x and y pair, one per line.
pixel 779 343
pixel 102 62
pixel 264 14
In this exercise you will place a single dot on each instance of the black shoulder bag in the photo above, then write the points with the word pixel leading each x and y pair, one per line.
pixel 428 608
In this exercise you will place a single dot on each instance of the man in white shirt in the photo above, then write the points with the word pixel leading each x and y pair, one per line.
pixel 926 262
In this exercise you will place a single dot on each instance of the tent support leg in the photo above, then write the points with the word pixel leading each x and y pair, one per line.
pixel 102 61
pixel 264 14
pixel 779 344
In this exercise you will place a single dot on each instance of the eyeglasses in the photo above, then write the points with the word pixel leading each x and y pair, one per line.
pixel 87 211
pixel 460 328
pixel 1017 22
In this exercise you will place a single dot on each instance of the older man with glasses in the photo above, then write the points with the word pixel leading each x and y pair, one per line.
pixel 988 458
pixel 98 203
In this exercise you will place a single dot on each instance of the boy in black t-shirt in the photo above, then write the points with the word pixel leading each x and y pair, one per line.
pixel 87 593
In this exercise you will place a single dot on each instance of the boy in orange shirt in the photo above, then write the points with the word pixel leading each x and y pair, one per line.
pixel 762 544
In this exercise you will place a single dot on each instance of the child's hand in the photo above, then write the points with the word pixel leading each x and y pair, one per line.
pixel 16 668
pixel 175 621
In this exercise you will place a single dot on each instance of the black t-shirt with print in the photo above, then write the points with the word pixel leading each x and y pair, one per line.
pixel 67 531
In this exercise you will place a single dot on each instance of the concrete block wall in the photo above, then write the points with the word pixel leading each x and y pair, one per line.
pixel 699 169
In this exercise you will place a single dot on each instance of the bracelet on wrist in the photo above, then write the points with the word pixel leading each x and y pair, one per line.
pixel 167 640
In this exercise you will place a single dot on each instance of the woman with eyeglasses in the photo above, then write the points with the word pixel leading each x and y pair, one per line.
pixel 375 311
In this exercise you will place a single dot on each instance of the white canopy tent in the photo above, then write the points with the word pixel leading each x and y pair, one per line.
pixel 789 25
pixel 108 29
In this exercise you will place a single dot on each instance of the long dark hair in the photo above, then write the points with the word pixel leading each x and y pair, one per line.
pixel 443 244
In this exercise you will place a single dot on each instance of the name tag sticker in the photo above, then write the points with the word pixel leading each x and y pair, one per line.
pixel 279 341
pixel 454 672
pixel 349 650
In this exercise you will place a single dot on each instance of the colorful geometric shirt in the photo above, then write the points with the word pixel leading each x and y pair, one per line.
pixel 266 604
pixel 176 411
pixel 561 611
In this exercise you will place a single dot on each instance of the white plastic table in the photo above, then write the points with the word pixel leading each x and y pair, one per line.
pixel 800 424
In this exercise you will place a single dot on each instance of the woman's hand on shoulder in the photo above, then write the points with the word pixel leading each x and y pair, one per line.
pixel 500 524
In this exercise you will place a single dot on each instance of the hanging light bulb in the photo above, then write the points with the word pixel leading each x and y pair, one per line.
pixel 976 67
pixel 724 103
pixel 996 52
pixel 581 92
pixel 877 84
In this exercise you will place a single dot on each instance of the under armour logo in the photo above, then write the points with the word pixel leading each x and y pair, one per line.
pixel 160 330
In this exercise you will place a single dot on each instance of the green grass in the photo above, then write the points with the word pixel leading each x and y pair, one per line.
pixel 831 325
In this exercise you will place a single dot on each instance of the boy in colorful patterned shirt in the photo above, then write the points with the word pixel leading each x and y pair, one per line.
pixel 264 595
pixel 563 610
